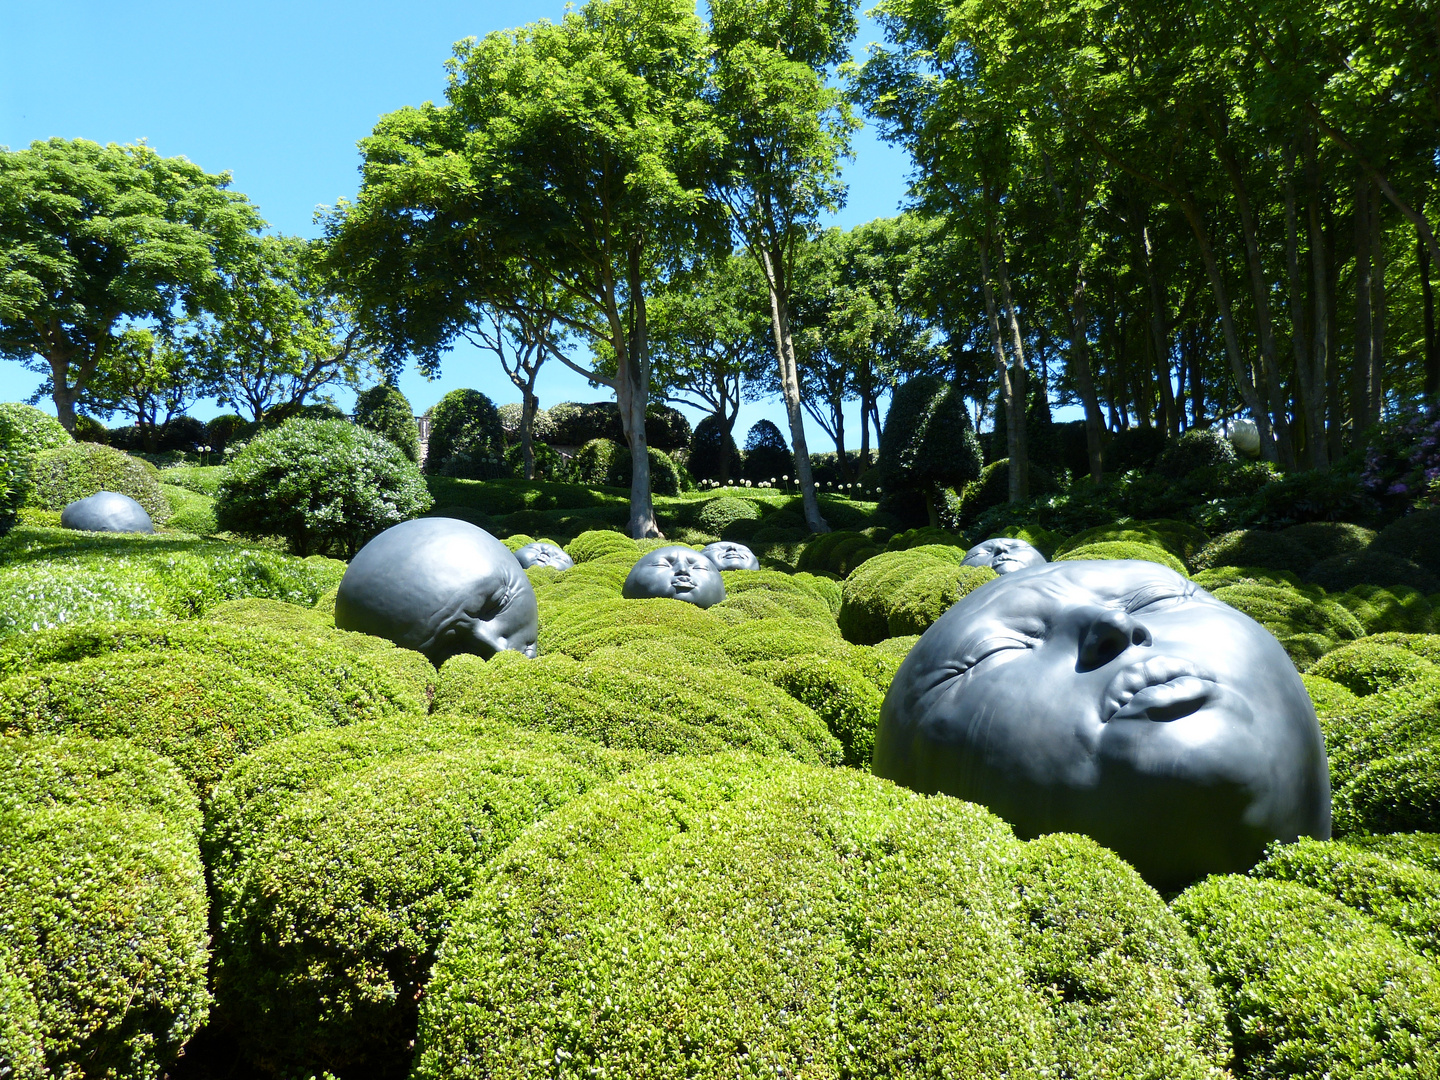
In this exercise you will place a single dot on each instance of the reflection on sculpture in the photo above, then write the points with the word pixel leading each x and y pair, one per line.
pixel 543 553
pixel 1004 555
pixel 107 511
pixel 676 573
pixel 439 586
pixel 728 555
pixel 1119 700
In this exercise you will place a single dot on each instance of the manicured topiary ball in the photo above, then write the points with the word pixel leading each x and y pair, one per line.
pixel 107 511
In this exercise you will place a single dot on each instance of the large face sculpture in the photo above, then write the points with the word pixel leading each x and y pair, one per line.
pixel 1115 699
pixel 543 553
pixel 441 587
pixel 1003 555
pixel 676 573
pixel 728 555
pixel 107 511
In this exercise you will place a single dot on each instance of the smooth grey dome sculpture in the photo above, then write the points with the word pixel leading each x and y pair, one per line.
pixel 1119 700
pixel 440 586
pixel 543 553
pixel 728 555
pixel 1004 555
pixel 107 511
pixel 675 573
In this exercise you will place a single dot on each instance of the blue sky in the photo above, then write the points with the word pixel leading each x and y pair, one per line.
pixel 278 93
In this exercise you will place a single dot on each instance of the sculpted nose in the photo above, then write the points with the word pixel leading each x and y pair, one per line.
pixel 1108 634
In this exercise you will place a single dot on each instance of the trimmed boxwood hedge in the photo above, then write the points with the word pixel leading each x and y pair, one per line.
pixel 1326 695
pixel 590 620
pixel 1415 537
pixel 838 552
pixel 1367 667
pixel 1125 549
pixel 1329 539
pixel 873 590
pixel 102 900
pixel 1417 849
pixel 597 543
pixel 917 603
pixel 1393 610
pixel 843 697
pixel 1251 547
pixel 1371 567
pixel 338 887
pixel 1285 611
pixel 79 470
pixel 1311 987
pixel 713 917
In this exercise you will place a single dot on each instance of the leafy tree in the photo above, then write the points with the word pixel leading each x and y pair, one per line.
pixel 152 378
pixel 92 235
pixel 766 455
pixel 384 410
pixel 466 437
pixel 929 443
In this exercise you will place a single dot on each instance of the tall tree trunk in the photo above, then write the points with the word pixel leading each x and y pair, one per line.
pixel 1018 435
pixel 1309 366
pixel 1427 296
pixel 1377 309
pixel 632 394
pixel 1012 393
pixel 528 406
pixel 1079 367
pixel 866 392
pixel 1321 345
pixel 1363 371
pixel 1159 334
pixel 790 391
pixel 727 428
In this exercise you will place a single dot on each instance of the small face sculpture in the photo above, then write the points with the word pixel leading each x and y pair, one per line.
pixel 441 587
pixel 107 511
pixel 728 555
pixel 1119 700
pixel 676 573
pixel 543 553
pixel 1003 555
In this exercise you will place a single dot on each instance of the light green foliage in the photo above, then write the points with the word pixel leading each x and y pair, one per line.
pixel 917 603
pixel 598 543
pixel 50 577
pixel 1395 893
pixel 28 430
pixel 1124 549
pixel 828 588
pixel 900 593
pixel 102 898
pixel 701 914
pixel 778 638
pixel 926 535
pixel 1417 849
pixel 846 700
pixel 324 485
pixel 667 699
pixel 1394 792
pixel 345 854
pixel 1220 576
pixel 189 512
pixel 898 646
pixel 1393 610
pixel 716 515
pixel 386 411
pixel 757 594
pixel 1251 547
pixel 1366 667
pixel 1286 611
pixel 591 621
pixel 1425 646
pixel 1327 696
pixel 1327 539
pixel 1312 987
pixel 80 470
pixel 201 479
pixel 518 540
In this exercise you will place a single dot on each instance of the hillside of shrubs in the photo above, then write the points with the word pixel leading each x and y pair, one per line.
pixel 237 841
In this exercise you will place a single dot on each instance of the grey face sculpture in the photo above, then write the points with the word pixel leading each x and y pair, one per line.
pixel 1119 700
pixel 543 553
pixel 728 555
pixel 676 573
pixel 107 511
pixel 439 586
pixel 1003 555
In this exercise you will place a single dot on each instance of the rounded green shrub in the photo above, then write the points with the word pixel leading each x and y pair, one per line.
pixel 1371 567
pixel 928 443
pixel 594 622
pixel 769 593
pixel 927 535
pixel 838 553
pixel 189 512
pixel 598 543
pixel 1398 792
pixel 906 587
pixel 1198 448
pixel 1417 849
pixel 79 470
pixel 384 410
pixel 1426 646
pixel 1251 547
pixel 1121 532
pixel 991 488
pixel 897 646
pixel 323 485
pixel 1415 537
pixel 846 700
pixel 102 900
pixel 767 455
pixel 28 430
pixel 1286 612
pixel 1311 987
pixel 1220 576
pixel 1125 549
pixel 779 637
pixel 1329 539
pixel 605 463
pixel 711 446
pixel 1364 667
pixel 1326 696
pixel 704 915
pixel 717 514
pixel 333 904
pixel 1395 610
pixel 617 700
pixel 917 603
pixel 466 437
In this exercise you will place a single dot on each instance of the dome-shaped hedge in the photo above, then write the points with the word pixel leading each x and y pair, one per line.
pixel 79 470
pixel 466 437
pixel 1124 549
pixel 914 586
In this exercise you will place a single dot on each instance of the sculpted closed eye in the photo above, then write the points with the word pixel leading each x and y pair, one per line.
pixel 1156 596
pixel 984 650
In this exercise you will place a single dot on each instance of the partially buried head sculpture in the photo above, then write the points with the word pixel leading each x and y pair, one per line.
pixel 107 511
pixel 439 586
pixel 1004 555
pixel 543 553
pixel 675 573
pixel 1115 699
pixel 728 555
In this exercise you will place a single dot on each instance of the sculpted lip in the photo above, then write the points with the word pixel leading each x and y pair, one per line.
pixel 1159 688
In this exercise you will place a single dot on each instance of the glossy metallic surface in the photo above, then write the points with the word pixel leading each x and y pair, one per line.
pixel 1004 555
pixel 107 511
pixel 1115 699
pixel 676 573
pixel 543 553
pixel 728 555
pixel 439 586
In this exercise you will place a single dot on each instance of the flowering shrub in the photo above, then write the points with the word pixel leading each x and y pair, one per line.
pixel 1404 462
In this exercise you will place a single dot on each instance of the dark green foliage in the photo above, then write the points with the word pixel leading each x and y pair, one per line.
pixel 384 410
pixel 79 470
pixel 1372 567
pixel 605 463
pixel 573 424
pixel 1415 537
pixel 990 489
pixel 1312 987
pixel 1366 667
pixel 323 485
pixel 717 514
pixel 466 438
pixel 548 464
pixel 876 591
pixel 1125 549
pixel 848 702
pixel 102 899
pixel 1198 448
pixel 675 704
pixel 1395 893
pixel 928 534
pixel 928 442
pixel 838 552
pixel 767 455
pixel 709 447
pixel 340 881
pixel 226 429
pixel 701 916
pixel 1329 539
pixel 1133 448
pixel 1251 547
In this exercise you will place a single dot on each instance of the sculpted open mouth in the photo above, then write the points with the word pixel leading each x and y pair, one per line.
pixel 1161 688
